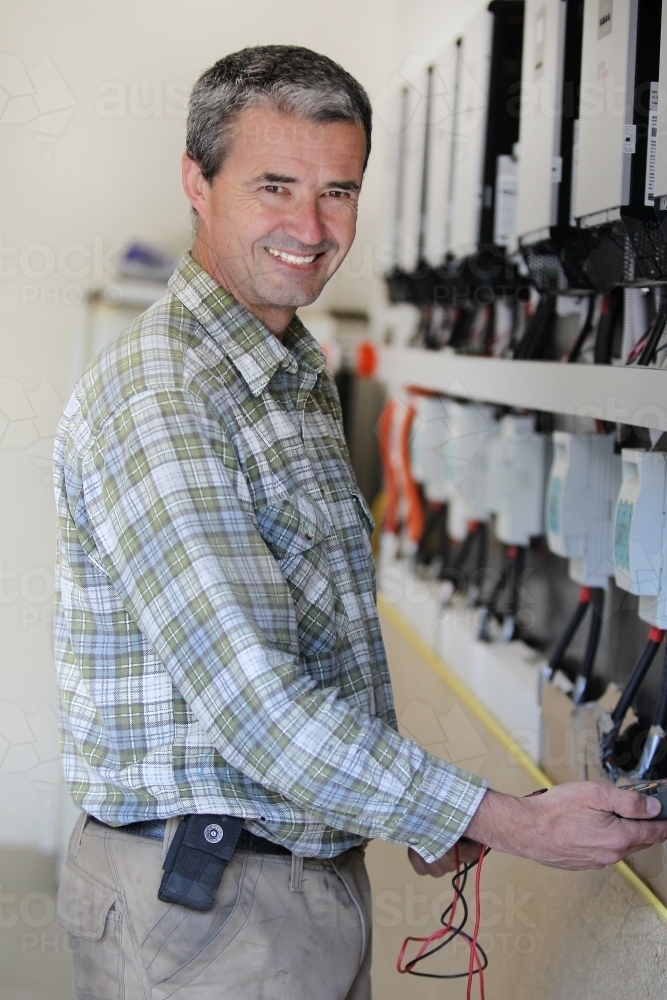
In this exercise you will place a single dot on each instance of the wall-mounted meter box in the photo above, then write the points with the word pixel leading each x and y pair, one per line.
pixel 468 427
pixel 487 125
pixel 517 480
pixel 429 434
pixel 581 496
pixel 639 532
pixel 445 94
pixel 476 486
pixel 619 98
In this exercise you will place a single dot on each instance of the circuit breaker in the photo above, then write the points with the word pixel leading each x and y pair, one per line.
pixel 640 533
pixel 469 426
pixel 517 480
pixel 581 495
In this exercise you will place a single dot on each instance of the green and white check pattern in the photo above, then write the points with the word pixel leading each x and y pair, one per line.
pixel 216 637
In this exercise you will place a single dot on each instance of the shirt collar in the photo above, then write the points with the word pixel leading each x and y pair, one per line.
pixel 251 347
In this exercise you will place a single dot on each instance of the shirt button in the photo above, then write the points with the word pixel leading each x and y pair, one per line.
pixel 309 537
pixel 413 841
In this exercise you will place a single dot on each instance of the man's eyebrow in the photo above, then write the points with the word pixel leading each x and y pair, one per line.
pixel 283 179
pixel 345 185
pixel 276 179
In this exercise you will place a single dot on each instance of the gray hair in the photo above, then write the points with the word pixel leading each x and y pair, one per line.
pixel 293 80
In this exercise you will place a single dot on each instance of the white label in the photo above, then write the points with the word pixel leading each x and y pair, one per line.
pixel 507 191
pixel 630 143
pixel 652 146
pixel 604 17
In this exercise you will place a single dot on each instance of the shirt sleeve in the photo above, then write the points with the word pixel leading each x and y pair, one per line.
pixel 168 525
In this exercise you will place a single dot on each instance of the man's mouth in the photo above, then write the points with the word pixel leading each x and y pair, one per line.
pixel 292 258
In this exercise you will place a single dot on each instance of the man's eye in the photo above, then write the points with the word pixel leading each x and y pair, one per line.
pixel 273 188
pixel 340 195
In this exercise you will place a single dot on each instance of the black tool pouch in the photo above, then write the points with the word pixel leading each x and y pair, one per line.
pixel 197 857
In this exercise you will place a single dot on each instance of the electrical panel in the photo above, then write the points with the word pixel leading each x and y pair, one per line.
pixel 640 533
pixel 607 136
pixel 659 122
pixel 415 114
pixel 517 479
pixel 470 133
pixel 581 495
pixel 445 90
pixel 540 162
pixel 487 128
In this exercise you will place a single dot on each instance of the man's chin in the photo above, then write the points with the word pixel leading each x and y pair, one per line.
pixel 290 298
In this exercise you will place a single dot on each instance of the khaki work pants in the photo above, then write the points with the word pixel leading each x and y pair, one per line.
pixel 280 929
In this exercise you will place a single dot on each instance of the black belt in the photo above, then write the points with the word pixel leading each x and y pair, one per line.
pixel 154 828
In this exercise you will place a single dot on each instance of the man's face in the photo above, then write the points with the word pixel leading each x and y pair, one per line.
pixel 279 217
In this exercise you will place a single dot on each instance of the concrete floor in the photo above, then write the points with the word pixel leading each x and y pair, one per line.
pixel 34 961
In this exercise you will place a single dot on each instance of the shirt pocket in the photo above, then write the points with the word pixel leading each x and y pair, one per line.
pixel 295 532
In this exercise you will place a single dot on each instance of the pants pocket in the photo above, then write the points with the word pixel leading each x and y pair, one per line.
pixel 88 912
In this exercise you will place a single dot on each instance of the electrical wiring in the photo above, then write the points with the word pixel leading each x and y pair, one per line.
pixel 478 960
pixel 656 733
pixel 593 598
pixel 611 309
pixel 536 336
pixel 628 695
pixel 507 582
pixel 584 333
pixel 449 931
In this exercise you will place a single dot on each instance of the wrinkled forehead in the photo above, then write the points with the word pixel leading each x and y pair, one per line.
pixel 265 140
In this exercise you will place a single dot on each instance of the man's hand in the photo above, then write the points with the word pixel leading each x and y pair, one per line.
pixel 573 826
pixel 468 851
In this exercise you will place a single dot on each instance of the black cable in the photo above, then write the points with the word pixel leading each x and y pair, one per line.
pixel 647 355
pixel 584 332
pixel 661 713
pixel 635 682
pixel 604 338
pixel 597 608
pixel 535 338
pixel 570 631
pixel 457 931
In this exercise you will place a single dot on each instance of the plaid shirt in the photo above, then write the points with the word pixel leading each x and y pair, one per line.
pixel 216 637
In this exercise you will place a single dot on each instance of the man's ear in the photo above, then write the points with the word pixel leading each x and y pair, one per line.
pixel 195 186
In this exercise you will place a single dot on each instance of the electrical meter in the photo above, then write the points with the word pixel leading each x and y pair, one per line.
pixel 468 427
pixel 581 495
pixel 517 476
pixel 429 434
pixel 639 533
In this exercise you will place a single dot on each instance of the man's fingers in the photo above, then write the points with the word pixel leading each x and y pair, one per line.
pixel 633 805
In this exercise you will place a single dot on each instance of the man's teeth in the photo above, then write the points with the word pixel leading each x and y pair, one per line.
pixel 290 257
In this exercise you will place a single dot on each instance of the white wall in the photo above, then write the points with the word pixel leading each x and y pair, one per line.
pixel 88 160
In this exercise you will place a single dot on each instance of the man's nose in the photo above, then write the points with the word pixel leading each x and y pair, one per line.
pixel 305 223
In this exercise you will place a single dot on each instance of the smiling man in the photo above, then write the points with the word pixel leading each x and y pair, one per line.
pixel 226 712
